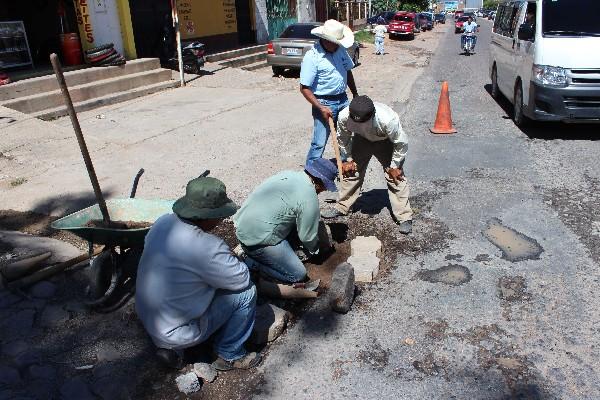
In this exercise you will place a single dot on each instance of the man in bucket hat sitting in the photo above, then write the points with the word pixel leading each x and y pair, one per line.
pixel 324 74
pixel 367 129
pixel 190 285
pixel 282 206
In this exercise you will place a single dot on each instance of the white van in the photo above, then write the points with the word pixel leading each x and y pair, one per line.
pixel 545 58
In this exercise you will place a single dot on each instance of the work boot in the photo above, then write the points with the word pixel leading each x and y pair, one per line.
pixel 170 358
pixel 250 360
pixel 405 227
pixel 332 212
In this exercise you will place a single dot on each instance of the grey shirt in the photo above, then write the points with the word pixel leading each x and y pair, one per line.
pixel 180 270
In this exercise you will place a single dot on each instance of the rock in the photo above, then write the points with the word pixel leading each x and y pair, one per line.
pixel 43 290
pixel 19 324
pixel 76 388
pixel 205 371
pixel 8 299
pixel 42 389
pixel 341 290
pixel 15 348
pixel 43 372
pixel 362 245
pixel 53 316
pixel 9 376
pixel 27 358
pixel 325 239
pixel 107 353
pixel 188 383
pixel 409 341
pixel 29 244
pixel 270 322
pixel 109 388
pixel 366 267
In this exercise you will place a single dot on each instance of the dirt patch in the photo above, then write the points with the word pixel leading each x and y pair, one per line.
pixel 430 366
pixel 98 223
pixel 451 274
pixel 453 257
pixel 483 258
pixel 512 289
pixel 375 356
pixel 437 329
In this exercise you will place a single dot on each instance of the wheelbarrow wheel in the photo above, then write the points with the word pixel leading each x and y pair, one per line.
pixel 100 274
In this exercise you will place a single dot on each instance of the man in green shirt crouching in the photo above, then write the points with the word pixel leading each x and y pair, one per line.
pixel 283 205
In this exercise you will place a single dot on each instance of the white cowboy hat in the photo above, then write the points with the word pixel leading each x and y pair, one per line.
pixel 335 32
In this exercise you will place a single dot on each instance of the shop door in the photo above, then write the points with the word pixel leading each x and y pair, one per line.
pixel 152 28
pixel 244 22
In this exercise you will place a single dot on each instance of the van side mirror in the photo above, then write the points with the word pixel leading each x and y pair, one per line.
pixel 526 32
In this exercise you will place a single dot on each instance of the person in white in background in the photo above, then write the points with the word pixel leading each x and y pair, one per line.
pixel 379 32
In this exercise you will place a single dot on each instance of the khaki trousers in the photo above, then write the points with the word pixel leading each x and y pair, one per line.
pixel 362 151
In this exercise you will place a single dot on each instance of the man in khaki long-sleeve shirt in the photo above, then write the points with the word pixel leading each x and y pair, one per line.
pixel 367 129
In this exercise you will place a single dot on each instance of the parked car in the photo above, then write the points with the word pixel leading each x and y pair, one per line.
pixel 404 24
pixel 440 18
pixel 426 22
pixel 545 66
pixel 386 15
pixel 288 50
pixel 458 14
pixel 458 26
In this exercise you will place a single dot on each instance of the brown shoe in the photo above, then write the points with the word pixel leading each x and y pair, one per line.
pixel 250 360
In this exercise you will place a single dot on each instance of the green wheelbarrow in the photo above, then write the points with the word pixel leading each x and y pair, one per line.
pixel 112 273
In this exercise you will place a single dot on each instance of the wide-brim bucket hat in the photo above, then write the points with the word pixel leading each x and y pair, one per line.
pixel 205 198
pixel 335 32
pixel 325 170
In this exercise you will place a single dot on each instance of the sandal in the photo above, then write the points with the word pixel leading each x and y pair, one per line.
pixel 250 360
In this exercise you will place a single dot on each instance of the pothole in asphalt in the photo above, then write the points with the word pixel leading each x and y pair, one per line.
pixel 451 274
pixel 514 245
pixel 512 288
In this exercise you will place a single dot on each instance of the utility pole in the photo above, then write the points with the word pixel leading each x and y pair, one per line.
pixel 175 17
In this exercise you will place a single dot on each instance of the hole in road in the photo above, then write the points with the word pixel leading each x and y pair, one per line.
pixel 514 245
pixel 451 274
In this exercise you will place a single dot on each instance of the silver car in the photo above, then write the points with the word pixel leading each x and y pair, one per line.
pixel 288 50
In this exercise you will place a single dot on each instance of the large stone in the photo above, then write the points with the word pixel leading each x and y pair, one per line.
pixel 15 348
pixel 188 383
pixel 362 245
pixel 341 290
pixel 27 358
pixel 30 244
pixel 42 372
pixel 53 316
pixel 43 290
pixel 366 267
pixel 18 325
pixel 270 322
pixel 111 388
pixel 205 371
pixel 76 388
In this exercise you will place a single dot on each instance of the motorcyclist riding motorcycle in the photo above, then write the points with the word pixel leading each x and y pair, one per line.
pixel 469 28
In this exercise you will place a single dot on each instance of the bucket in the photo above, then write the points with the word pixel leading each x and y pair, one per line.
pixel 71 49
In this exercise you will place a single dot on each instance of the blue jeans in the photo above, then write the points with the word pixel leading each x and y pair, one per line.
pixel 321 127
pixel 278 261
pixel 231 316
pixel 379 45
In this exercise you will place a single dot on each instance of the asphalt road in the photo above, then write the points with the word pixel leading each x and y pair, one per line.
pixel 483 326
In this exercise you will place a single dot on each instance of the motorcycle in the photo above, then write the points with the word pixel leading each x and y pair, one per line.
pixel 193 58
pixel 468 41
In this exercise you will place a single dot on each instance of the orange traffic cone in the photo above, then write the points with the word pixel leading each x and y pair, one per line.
pixel 443 120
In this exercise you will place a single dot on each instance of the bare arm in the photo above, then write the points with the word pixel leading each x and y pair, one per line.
pixel 351 84
pixel 310 97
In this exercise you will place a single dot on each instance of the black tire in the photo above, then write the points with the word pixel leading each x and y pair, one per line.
pixel 112 58
pixel 518 116
pixel 118 62
pixel 355 57
pixel 411 36
pixel 100 53
pixel 100 274
pixel 277 70
pixel 99 48
pixel 495 91
pixel 98 59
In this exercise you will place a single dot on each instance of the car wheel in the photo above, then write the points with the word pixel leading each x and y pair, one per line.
pixel 277 70
pixel 355 57
pixel 495 90
pixel 411 36
pixel 518 116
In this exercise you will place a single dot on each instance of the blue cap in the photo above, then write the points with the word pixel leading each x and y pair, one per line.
pixel 323 169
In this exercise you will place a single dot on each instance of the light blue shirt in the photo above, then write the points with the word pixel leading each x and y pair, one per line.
pixel 325 73
pixel 180 270
pixel 283 202
pixel 470 27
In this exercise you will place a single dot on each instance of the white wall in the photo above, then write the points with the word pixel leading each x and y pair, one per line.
pixel 105 22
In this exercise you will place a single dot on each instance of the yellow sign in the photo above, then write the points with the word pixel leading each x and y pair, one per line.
pixel 198 18
pixel 84 21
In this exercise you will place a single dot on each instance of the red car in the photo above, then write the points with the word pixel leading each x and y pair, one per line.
pixel 404 24
pixel 458 27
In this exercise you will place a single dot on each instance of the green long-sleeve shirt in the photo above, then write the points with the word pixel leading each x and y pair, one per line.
pixel 276 206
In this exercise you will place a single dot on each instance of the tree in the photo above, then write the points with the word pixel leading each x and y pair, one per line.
pixel 490 4
pixel 393 5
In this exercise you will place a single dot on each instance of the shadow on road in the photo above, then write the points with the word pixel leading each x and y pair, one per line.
pixel 550 130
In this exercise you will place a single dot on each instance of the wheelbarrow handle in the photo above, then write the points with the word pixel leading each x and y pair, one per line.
pixel 204 174
pixel 136 180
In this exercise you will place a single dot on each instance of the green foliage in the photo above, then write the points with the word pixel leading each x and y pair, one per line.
pixel 490 4
pixel 378 6
pixel 392 5
pixel 364 37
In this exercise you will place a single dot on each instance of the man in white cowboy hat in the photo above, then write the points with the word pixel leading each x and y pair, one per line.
pixel 189 284
pixel 367 129
pixel 324 75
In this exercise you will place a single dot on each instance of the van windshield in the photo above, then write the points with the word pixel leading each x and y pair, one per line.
pixel 570 18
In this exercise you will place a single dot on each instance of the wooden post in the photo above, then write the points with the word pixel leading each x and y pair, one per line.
pixel 336 148
pixel 175 17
